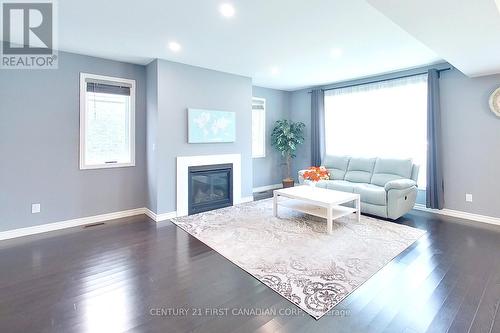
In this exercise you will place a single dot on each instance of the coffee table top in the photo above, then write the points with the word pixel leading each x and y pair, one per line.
pixel 317 195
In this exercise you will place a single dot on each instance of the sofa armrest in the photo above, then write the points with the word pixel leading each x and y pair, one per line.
pixel 399 184
pixel 400 201
pixel 301 176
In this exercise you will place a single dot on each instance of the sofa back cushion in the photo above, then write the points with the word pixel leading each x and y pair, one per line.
pixel 336 165
pixel 360 170
pixel 414 172
pixel 387 169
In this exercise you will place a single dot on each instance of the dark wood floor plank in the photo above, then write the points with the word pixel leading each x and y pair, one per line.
pixel 495 325
pixel 465 314
pixel 109 278
pixel 487 309
pixel 413 298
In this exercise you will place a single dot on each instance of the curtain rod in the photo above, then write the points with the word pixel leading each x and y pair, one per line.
pixel 382 80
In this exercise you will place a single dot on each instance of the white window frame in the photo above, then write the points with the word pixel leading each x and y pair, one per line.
pixel 263 126
pixel 84 78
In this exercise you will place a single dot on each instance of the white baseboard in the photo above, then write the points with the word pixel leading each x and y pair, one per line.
pixel 266 188
pixel 246 199
pixel 149 213
pixel 460 214
pixel 165 216
pixel 68 224
pixel 171 215
pixel 159 217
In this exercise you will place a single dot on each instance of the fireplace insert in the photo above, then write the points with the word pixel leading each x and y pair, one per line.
pixel 210 187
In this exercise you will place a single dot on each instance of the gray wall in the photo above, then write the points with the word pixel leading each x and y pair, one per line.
pixel 39 139
pixel 181 87
pixel 39 132
pixel 151 135
pixel 471 143
pixel 471 140
pixel 300 102
pixel 39 146
pixel 269 170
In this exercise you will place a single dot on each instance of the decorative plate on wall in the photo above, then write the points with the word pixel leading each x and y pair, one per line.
pixel 495 102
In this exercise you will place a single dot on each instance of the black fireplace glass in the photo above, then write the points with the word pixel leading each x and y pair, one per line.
pixel 210 187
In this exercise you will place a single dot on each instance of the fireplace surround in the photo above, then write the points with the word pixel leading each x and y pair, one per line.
pixel 183 164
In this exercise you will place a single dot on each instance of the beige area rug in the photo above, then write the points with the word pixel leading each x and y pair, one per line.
pixel 294 256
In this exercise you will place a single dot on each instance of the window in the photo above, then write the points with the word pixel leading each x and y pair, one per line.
pixel 258 127
pixel 107 122
pixel 385 119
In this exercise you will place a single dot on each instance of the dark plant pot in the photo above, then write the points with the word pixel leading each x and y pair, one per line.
pixel 287 183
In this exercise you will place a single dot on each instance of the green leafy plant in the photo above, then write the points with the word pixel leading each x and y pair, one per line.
pixel 286 137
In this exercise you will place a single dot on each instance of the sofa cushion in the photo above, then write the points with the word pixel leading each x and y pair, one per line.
pixel 360 170
pixel 336 165
pixel 371 194
pixel 414 172
pixel 339 185
pixel 371 209
pixel 321 183
pixel 391 169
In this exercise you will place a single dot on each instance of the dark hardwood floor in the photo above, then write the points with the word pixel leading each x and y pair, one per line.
pixel 134 275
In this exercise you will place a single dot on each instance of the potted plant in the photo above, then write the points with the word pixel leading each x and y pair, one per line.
pixel 286 137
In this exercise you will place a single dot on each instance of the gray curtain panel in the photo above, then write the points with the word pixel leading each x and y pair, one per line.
pixel 317 126
pixel 435 184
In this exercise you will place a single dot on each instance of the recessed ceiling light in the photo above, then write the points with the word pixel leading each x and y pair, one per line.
pixel 174 46
pixel 275 70
pixel 227 10
pixel 498 4
pixel 337 52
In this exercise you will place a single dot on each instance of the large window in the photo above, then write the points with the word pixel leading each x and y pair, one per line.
pixel 385 119
pixel 258 127
pixel 107 126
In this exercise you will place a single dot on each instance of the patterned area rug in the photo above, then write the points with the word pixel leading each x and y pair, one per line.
pixel 294 256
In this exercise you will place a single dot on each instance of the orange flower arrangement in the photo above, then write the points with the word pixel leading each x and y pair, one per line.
pixel 316 174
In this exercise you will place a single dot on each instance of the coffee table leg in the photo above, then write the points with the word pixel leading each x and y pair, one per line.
pixel 329 222
pixel 275 205
pixel 358 209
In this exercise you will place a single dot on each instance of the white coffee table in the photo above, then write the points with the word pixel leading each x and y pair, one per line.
pixel 318 202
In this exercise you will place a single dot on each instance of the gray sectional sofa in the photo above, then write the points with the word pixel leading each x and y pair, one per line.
pixel 388 187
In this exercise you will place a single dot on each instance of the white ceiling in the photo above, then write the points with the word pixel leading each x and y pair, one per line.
pixel 464 32
pixel 295 36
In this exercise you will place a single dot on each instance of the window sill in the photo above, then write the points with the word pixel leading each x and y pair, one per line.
pixel 107 166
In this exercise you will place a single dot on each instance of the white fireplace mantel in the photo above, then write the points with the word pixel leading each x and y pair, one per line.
pixel 184 162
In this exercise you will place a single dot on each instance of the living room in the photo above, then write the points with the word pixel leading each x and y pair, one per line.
pixel 250 166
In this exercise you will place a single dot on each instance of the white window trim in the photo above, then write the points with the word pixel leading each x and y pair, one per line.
pixel 83 89
pixel 264 142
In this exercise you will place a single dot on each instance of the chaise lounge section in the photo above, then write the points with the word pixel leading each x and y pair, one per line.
pixel 388 187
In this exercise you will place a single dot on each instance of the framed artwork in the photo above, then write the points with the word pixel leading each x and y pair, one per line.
pixel 210 126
